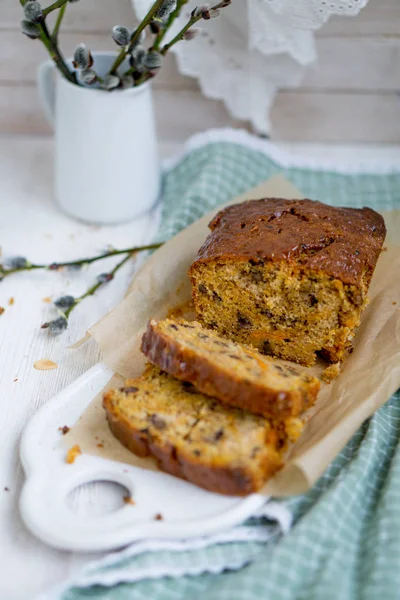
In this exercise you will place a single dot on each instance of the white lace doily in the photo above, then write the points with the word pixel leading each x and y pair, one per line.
pixel 254 48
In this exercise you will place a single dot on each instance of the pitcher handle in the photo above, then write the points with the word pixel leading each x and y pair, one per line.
pixel 46 89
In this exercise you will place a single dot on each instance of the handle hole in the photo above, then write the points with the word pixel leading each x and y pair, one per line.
pixel 97 498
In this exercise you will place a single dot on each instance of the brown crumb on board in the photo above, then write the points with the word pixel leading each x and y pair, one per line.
pixel 64 430
pixel 73 453
pixel 46 299
pixel 158 517
pixel 11 301
pixel 100 445
pixel 129 500
pixel 394 303
pixel 44 364
pixel 331 373
pixel 2 309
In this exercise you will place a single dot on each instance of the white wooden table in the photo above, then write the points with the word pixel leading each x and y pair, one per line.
pixel 32 226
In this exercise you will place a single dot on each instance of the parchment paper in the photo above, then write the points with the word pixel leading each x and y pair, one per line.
pixel 368 378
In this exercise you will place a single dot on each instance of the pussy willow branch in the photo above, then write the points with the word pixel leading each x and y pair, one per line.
pixel 54 6
pixel 188 25
pixel 60 16
pixel 135 37
pixel 96 286
pixel 55 52
pixel 55 266
pixel 175 13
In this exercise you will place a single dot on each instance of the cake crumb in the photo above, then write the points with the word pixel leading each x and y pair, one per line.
pixel 72 454
pixel 394 303
pixel 11 301
pixel 16 379
pixel 158 517
pixel 100 445
pixel 2 309
pixel 64 430
pixel 129 500
pixel 46 299
pixel 44 364
pixel 384 249
pixel 330 373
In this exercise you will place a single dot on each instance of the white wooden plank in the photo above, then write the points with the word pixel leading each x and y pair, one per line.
pixel 361 63
pixel 87 15
pixel 379 17
pixel 336 117
pixel 296 115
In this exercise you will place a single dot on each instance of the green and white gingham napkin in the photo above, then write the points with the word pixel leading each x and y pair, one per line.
pixel 345 539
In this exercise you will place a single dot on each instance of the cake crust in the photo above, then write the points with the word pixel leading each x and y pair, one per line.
pixel 277 392
pixel 344 243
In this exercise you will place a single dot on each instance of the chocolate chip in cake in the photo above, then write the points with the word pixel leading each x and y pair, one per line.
pixel 173 326
pixel 202 289
pixel 197 452
pixel 266 348
pixel 218 434
pixel 313 300
pixel 158 422
pixel 243 322
pixel 129 390
pixel 189 387
pixel 216 298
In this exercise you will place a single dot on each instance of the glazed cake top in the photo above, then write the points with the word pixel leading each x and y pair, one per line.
pixel 344 243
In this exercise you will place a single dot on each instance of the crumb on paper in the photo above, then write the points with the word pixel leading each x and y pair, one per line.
pixel 11 301
pixel 64 430
pixel 158 517
pixel 129 500
pixel 100 445
pixel 330 373
pixel 384 249
pixel 394 303
pixel 44 364
pixel 46 299
pixel 16 379
pixel 73 453
pixel 2 309
pixel 6 489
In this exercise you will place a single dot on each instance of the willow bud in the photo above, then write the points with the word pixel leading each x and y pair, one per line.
pixel 88 76
pixel 110 82
pixel 32 30
pixel 57 326
pixel 120 35
pixel 64 302
pixel 33 12
pixel 165 9
pixel 138 57
pixel 82 57
pixel 190 34
pixel 153 61
pixel 199 10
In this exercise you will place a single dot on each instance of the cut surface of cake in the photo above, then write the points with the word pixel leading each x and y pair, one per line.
pixel 289 277
pixel 224 369
pixel 192 436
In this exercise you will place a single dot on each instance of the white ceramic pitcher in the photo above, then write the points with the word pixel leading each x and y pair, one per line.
pixel 107 167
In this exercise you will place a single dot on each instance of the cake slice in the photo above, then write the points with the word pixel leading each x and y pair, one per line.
pixel 289 277
pixel 192 436
pixel 228 371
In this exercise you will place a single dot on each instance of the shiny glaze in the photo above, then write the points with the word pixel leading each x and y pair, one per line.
pixel 344 243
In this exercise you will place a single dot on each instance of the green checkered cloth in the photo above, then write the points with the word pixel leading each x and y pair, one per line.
pixel 345 538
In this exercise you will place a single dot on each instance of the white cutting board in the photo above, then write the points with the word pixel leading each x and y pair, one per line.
pixel 187 510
